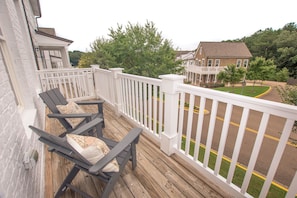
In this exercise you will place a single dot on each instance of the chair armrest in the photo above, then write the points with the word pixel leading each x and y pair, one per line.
pixel 131 138
pixel 80 115
pixel 90 102
pixel 86 127
pixel 99 103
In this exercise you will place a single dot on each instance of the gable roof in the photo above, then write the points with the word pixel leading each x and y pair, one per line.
pixel 185 55
pixel 50 32
pixel 225 49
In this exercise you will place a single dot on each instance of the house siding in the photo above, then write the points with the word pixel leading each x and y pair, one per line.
pixel 15 138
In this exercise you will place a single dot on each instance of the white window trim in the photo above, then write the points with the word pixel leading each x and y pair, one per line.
pixel 12 75
pixel 27 115
pixel 211 62
pixel 245 61
pixel 238 61
pixel 219 62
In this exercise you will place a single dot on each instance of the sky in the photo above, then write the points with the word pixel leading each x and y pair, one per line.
pixel 185 23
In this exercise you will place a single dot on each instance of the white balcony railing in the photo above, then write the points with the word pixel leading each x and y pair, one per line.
pixel 74 83
pixel 198 124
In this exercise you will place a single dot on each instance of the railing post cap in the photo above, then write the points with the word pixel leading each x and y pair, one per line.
pixel 116 69
pixel 95 66
pixel 172 77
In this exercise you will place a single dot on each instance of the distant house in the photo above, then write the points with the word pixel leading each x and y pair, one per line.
pixel 203 64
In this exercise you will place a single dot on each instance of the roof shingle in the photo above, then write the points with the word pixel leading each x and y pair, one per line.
pixel 225 49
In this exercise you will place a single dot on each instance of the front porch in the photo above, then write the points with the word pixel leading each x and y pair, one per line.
pixel 156 175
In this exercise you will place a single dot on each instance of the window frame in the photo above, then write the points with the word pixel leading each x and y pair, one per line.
pixel 8 64
pixel 245 62
pixel 209 61
pixel 238 62
pixel 217 62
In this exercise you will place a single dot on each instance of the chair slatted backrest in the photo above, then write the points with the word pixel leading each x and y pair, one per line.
pixel 52 98
pixel 61 147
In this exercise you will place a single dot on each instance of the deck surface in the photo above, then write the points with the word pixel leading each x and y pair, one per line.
pixel 156 174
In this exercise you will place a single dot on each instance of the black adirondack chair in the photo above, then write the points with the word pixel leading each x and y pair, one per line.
pixel 123 151
pixel 54 97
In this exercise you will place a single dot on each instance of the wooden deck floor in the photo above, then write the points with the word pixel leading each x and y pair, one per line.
pixel 156 175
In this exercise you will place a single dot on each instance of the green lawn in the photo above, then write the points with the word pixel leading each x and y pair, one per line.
pixel 256 182
pixel 251 91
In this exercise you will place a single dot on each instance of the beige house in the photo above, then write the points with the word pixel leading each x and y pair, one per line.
pixel 203 64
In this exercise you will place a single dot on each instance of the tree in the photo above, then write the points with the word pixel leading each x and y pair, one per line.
pixel 282 75
pixel 140 50
pixel 288 95
pixel 278 45
pixel 86 60
pixel 74 57
pixel 261 69
pixel 232 74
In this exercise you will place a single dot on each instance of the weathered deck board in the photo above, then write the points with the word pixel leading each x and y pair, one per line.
pixel 156 175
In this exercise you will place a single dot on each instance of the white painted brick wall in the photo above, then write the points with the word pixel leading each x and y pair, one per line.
pixel 15 181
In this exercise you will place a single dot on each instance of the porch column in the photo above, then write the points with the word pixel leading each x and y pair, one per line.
pixel 65 57
pixel 169 135
pixel 117 90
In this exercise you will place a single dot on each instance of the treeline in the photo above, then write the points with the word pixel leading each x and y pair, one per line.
pixel 279 46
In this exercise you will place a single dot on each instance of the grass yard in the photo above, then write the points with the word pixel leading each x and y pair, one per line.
pixel 251 91
pixel 256 182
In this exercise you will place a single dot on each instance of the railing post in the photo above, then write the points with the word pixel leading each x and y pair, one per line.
pixel 169 135
pixel 94 67
pixel 117 90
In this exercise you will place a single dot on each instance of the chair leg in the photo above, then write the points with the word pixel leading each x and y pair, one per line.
pixel 133 153
pixel 67 180
pixel 110 184
pixel 99 130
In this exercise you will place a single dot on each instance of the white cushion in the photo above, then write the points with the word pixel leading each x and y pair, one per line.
pixel 71 108
pixel 93 149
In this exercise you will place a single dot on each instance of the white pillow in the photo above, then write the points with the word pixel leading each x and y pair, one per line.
pixel 93 149
pixel 71 108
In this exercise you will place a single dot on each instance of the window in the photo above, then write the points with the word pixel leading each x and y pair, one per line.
pixel 245 62
pixel 200 50
pixel 217 62
pixel 209 62
pixel 203 62
pixel 6 61
pixel 238 63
